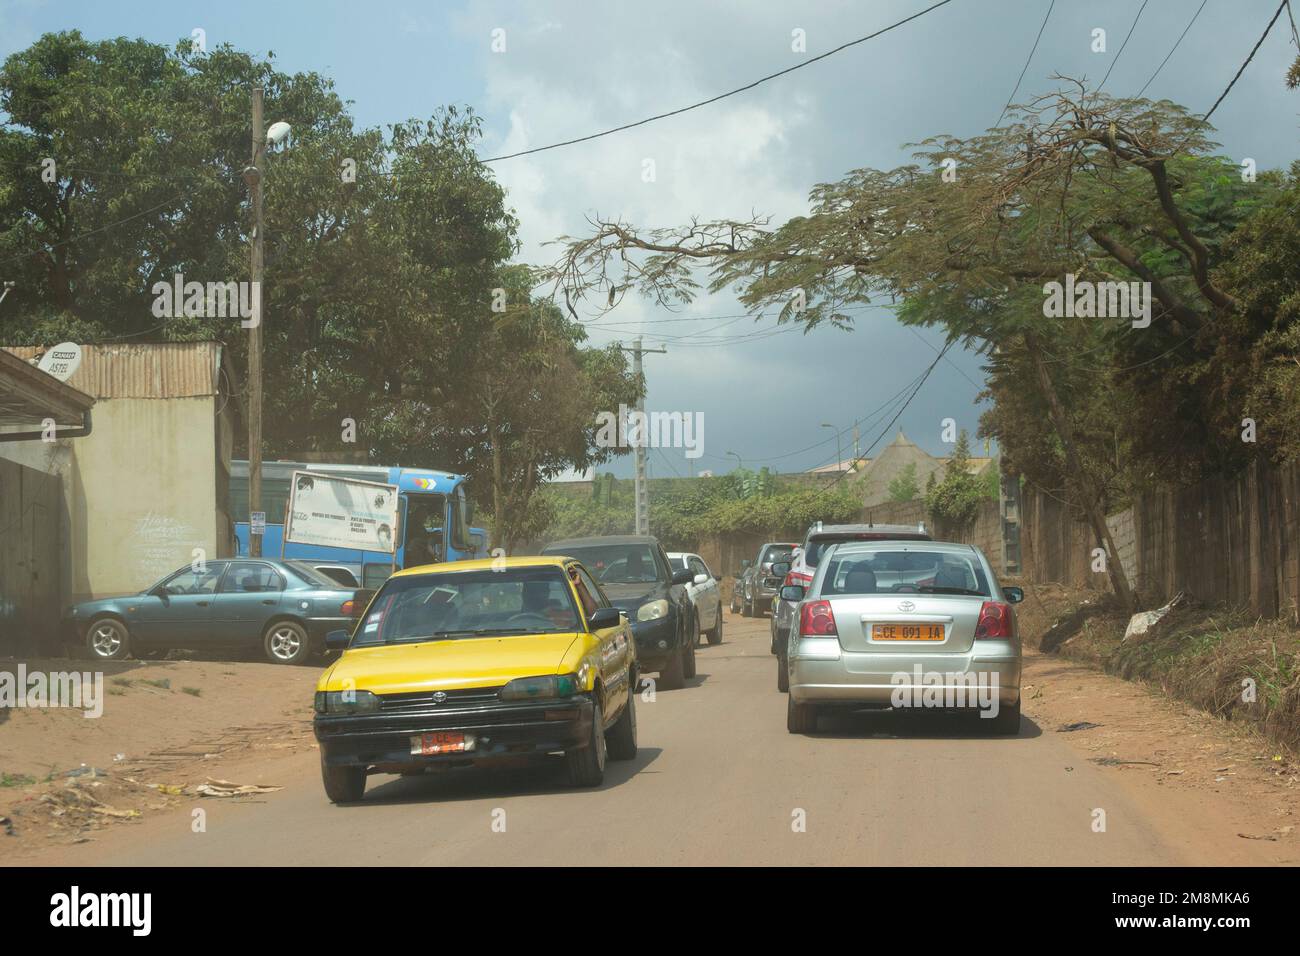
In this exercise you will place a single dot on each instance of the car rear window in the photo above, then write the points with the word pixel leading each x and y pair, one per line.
pixel 617 563
pixel 317 578
pixel 813 552
pixel 904 572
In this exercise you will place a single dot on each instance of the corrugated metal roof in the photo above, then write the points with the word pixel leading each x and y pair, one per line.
pixel 151 370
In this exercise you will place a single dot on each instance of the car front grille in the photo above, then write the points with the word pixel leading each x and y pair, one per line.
pixel 424 700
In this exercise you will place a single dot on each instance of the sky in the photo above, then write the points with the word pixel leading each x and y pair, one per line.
pixel 573 68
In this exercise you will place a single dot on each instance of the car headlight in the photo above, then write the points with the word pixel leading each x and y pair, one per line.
pixel 652 610
pixel 540 688
pixel 346 702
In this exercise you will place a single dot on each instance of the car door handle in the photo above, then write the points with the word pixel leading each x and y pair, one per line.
pixel 202 603
pixel 269 601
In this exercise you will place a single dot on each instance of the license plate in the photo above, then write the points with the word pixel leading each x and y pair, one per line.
pixel 907 632
pixel 440 742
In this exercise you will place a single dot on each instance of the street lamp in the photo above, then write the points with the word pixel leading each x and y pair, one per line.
pixel 252 175
pixel 739 464
pixel 839 460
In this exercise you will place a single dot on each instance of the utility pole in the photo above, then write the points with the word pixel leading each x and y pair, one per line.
pixel 253 176
pixel 4 290
pixel 642 491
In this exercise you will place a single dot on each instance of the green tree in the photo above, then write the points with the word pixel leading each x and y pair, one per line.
pixel 955 500
pixel 904 486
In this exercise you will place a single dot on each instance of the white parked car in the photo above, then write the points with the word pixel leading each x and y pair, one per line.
pixel 704 592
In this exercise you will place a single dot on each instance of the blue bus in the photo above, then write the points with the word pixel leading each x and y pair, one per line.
pixel 433 517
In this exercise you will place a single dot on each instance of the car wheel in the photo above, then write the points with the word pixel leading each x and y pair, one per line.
pixel 586 765
pixel 800 718
pixel 735 604
pixel 746 609
pixel 782 671
pixel 715 635
pixel 107 639
pixel 688 659
pixel 1006 723
pixel 672 676
pixel 286 642
pixel 343 784
pixel 622 736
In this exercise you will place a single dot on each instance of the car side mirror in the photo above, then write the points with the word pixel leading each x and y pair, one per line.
pixel 1013 595
pixel 744 564
pixel 604 617
pixel 781 568
pixel 791 592
pixel 337 640
pixel 683 577
pixel 702 579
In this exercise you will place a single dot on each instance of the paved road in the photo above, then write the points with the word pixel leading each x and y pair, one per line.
pixel 718 780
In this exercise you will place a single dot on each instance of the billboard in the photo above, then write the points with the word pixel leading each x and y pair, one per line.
pixel 341 513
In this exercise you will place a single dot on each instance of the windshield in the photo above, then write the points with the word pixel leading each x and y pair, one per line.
pixel 776 553
pixel 678 564
pixel 457 604
pixel 619 563
pixel 904 572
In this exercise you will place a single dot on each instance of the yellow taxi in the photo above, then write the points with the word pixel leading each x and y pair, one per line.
pixel 477 662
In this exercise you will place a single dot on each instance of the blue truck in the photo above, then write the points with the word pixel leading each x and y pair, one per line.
pixel 433 519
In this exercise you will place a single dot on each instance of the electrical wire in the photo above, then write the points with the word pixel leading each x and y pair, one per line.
pixel 1123 45
pixel 1028 60
pixel 1173 48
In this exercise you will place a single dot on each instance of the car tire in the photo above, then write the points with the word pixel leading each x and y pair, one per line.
pixel 1006 723
pixel 286 642
pixel 622 736
pixel 715 635
pixel 343 784
pixel 586 765
pixel 672 676
pixel 782 672
pixel 107 639
pixel 800 718
pixel 735 605
pixel 688 659
pixel 746 609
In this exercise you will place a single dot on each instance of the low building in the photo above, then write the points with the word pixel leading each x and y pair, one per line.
pixel 146 491
pixel 893 462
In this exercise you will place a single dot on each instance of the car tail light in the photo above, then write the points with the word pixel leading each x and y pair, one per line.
pixel 795 579
pixel 816 619
pixel 995 621
pixel 348 608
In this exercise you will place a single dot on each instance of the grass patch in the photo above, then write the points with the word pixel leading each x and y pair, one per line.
pixel 1220 659
pixel 162 683
pixel 16 780
pixel 121 682
pixel 192 691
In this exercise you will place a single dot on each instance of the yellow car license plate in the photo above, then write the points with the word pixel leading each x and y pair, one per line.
pixel 907 632
pixel 442 742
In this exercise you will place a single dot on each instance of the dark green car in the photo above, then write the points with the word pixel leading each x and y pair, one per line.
pixel 285 608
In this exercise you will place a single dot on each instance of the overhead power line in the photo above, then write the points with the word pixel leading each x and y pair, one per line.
pixel 1028 60
pixel 1173 48
pixel 1258 43
pixel 721 96
pixel 1131 28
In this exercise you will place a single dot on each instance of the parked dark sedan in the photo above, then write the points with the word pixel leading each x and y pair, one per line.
pixel 634 573
pixel 283 607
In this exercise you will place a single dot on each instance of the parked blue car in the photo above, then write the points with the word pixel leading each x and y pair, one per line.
pixel 285 608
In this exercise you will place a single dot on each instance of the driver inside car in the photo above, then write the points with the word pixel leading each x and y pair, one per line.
pixel 537 600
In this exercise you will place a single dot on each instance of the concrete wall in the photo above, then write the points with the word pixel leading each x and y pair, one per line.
pixel 140 493
pixel 1232 541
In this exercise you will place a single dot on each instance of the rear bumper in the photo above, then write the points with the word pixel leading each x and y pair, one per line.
pixel 501 731
pixel 821 672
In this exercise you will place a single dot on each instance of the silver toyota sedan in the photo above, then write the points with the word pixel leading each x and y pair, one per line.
pixel 904 625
